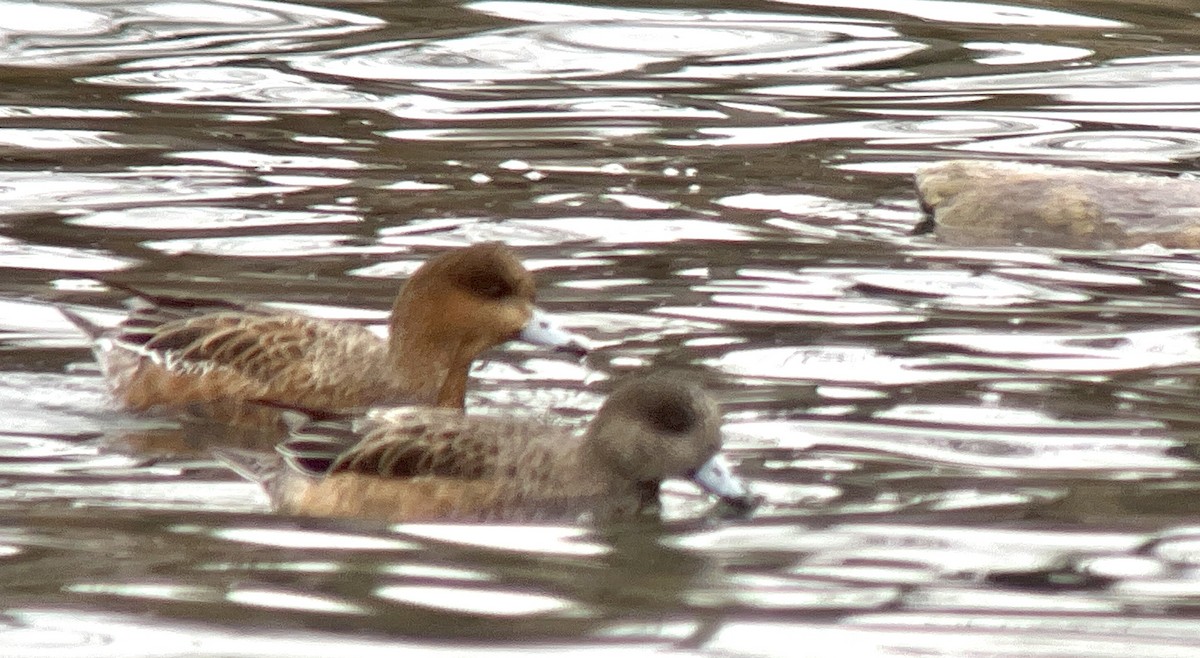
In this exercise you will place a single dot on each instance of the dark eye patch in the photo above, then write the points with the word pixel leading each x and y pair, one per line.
pixel 488 283
pixel 671 414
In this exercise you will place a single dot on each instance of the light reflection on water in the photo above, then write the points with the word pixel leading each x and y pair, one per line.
pixel 64 35
pixel 964 451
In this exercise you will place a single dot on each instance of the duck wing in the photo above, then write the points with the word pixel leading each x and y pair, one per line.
pixel 252 345
pixel 414 442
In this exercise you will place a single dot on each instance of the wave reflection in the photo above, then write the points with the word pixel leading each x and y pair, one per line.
pixel 56 35
pixel 567 42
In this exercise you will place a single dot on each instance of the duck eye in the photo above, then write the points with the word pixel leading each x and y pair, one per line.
pixel 489 285
pixel 671 416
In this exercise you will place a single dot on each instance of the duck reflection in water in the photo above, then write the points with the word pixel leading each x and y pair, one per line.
pixel 406 464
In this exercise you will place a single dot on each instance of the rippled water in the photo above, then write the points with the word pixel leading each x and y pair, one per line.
pixel 964 452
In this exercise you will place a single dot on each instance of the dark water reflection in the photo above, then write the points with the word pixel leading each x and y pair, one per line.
pixel 968 452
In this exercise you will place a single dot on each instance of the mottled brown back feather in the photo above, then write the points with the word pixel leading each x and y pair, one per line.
pixel 177 339
pixel 448 454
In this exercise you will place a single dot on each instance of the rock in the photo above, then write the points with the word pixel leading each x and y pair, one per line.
pixel 986 203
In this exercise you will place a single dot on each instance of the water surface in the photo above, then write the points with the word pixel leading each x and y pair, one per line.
pixel 967 452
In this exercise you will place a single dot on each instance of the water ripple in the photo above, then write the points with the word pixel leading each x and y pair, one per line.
pixel 20 139
pixel 964 288
pixel 720 45
pixel 1097 146
pixel 1076 352
pixel 30 192
pixel 238 86
pixel 839 365
pixel 563 230
pixel 957 447
pixel 1137 81
pixel 980 13
pixel 482 601
pixel 18 255
pixel 611 107
pixel 946 128
pixel 504 55
pixel 266 246
pixel 202 218
pixel 57 35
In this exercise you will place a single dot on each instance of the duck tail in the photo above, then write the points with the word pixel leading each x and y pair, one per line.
pixel 171 307
pixel 176 302
pixel 296 416
pixel 260 467
pixel 93 330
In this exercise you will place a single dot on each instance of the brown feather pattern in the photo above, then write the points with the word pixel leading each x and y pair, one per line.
pixel 423 464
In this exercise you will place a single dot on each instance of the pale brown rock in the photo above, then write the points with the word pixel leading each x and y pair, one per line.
pixel 986 203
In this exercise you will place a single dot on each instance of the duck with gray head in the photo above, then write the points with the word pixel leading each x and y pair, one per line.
pixel 410 464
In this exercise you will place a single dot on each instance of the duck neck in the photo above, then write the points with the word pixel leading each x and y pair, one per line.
pixel 452 392
pixel 597 467
pixel 431 374
pixel 609 498
pixel 433 371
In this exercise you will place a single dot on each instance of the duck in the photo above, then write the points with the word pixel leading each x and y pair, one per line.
pixel 406 464
pixel 176 353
